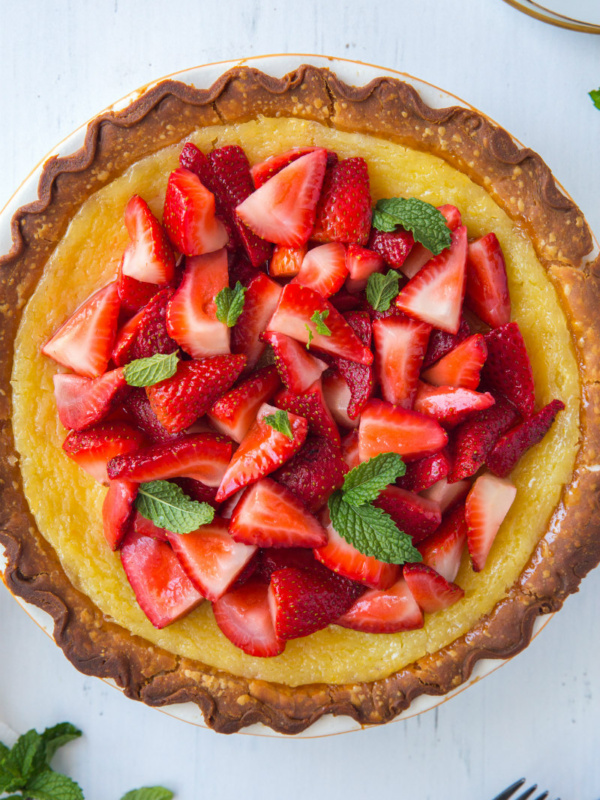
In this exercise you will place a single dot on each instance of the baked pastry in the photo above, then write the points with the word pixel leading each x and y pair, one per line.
pixel 333 671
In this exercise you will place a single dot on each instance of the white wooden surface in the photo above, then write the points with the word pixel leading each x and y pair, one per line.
pixel 61 61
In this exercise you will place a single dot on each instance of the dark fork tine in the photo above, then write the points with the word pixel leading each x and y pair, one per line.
pixel 508 793
pixel 527 794
pixel 542 796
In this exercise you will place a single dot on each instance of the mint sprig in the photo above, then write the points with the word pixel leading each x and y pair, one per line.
pixel 149 793
pixel 151 370
pixel 382 289
pixel 318 318
pixel 364 483
pixel 426 223
pixel 167 506
pixel 230 304
pixel 280 421
pixel 595 95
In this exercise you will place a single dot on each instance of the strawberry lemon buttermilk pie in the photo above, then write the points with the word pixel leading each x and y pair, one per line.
pixel 303 419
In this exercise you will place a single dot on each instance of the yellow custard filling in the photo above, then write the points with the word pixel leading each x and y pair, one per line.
pixel 67 503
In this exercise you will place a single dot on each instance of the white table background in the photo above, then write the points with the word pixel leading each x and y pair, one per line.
pixel 61 62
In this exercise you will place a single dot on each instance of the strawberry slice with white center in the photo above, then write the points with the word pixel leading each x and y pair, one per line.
pixel 462 366
pixel 260 301
pixel 487 284
pixel 417 516
pixel 450 405
pixel 192 312
pixel 337 397
pixel 189 215
pixel 283 209
pixel 149 257
pixel 210 557
pixel 146 527
pixel 400 346
pixel 431 591
pixel 82 402
pixel 203 456
pixel 163 590
pixel 134 294
pixel 234 412
pixel 265 170
pixel 385 428
pixel 324 269
pixel 286 261
pixel 487 505
pixel 118 511
pixel 435 294
pixel 93 448
pixel 85 341
pixel 361 263
pixel 443 550
pixel 420 255
pixel 261 451
pixel 447 494
pixel 296 367
pixel 350 452
pixel 244 617
pixel 270 515
pixel 389 611
pixel 293 316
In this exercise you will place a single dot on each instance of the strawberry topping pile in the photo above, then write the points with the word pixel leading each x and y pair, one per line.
pixel 306 409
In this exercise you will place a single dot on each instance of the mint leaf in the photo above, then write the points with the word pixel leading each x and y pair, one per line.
pixel 364 483
pixel 319 318
pixel 149 793
pixel 310 335
pixel 427 224
pixel 166 505
pixel 595 95
pixel 371 531
pixel 280 421
pixel 230 304
pixel 57 737
pixel 51 785
pixel 148 371
pixel 382 289
pixel 28 756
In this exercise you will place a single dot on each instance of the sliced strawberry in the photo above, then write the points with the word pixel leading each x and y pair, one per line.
pixel 361 263
pixel 435 294
pixel 350 452
pixel 189 215
pixel 393 247
pixel 179 400
pixel 146 527
pixel 286 261
pixel 244 617
pixel 461 367
pixel 149 257
pixel 447 494
pixel 212 560
pixel 508 369
pixel 234 412
pixel 400 346
pixel 161 587
pixel 389 611
pixel 424 473
pixel 146 333
pixel 450 405
pixel 197 490
pixel 324 269
pixel 314 472
pixel 431 591
pixel 487 284
pixel 344 210
pixel 84 342
pixel 312 406
pixel 344 301
pixel 486 506
pixel 272 559
pixel 385 428
pixel 415 515
pixel 93 448
pixel 270 515
pixel 283 209
pixel 82 402
pixel 140 411
pixel 336 393
pixel 260 302
pixel 265 170
pixel 507 451
pixel 295 365
pixel 118 511
pixel 203 456
pixel 262 450
pixel 442 551
pixel 441 342
pixel 420 255
pixel 134 294
pixel 192 312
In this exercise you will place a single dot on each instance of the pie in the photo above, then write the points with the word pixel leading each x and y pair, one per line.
pixel 69 243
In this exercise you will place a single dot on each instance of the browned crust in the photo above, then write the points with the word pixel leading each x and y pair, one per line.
pixel 518 180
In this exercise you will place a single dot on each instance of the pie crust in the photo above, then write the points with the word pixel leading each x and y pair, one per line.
pixel 520 183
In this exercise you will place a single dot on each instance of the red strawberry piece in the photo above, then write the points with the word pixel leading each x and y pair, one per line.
pixel 118 511
pixel 424 473
pixel 431 591
pixel 452 216
pixel 240 269
pixel 507 370
pixel 420 255
pixel 179 400
pixel 344 301
pixel 293 317
pixel 336 393
pixel 324 269
pixel 385 428
pixel 212 560
pixel 203 456
pixel 283 209
pixel 189 215
pixel 161 587
pixel 296 367
pixel 227 508
pixel 260 302
pixel 197 490
pixel 415 515
pixel 192 312
pixel 486 506
pixel 400 346
pixel 393 247
pixel 435 294
pixel 304 601
pixel 262 450
pixel 473 440
pixel 314 472
pixel 149 257
pixel 350 452
pixel 286 261
pixel 244 617
pixel 312 406
pixel 441 342
pixel 270 515
pixel 140 411
pixel 509 448
pixel 234 412
pixel 344 210
pixel 82 402
pixel 146 334
pixel 442 551
pixel 84 342
pixel 134 294
pixel 93 448
pixel 450 405
pixel 146 527
pixel 487 284
pixel 272 559
pixel 265 170
pixel 126 336
pixel 461 366
pixel 389 611
pixel 447 494
pixel 361 263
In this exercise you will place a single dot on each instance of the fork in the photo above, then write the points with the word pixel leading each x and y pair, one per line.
pixel 510 790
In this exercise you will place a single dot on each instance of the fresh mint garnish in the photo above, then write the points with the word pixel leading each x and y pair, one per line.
pixel 382 289
pixel 364 483
pixel 230 304
pixel 167 506
pixel 280 421
pixel 149 793
pixel 148 371
pixel 595 95
pixel 426 223
pixel 319 318
pixel 310 335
